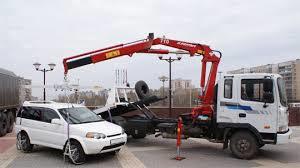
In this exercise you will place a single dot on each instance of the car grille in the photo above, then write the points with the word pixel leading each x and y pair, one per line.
pixel 113 135
pixel 113 146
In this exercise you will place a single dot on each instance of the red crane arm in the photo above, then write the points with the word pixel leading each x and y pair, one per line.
pixel 107 53
pixel 144 46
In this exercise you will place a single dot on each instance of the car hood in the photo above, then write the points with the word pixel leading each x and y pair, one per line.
pixel 104 127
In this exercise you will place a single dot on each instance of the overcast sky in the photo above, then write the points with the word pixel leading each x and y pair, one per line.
pixel 248 33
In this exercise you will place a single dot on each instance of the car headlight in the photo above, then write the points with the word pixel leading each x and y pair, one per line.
pixel 95 135
pixel 123 131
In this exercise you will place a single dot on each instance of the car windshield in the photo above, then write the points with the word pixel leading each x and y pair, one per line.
pixel 79 115
pixel 282 92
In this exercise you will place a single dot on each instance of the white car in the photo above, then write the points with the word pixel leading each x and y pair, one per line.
pixel 45 123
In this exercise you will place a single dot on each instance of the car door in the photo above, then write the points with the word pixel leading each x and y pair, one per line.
pixel 253 108
pixel 53 134
pixel 227 101
pixel 31 120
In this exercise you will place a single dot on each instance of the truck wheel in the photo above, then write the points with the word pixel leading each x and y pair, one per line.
pixel 11 122
pixel 138 136
pixel 3 124
pixel 23 142
pixel 243 145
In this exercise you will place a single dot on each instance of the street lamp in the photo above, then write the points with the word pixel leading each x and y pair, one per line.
pixel 170 60
pixel 37 67
pixel 163 79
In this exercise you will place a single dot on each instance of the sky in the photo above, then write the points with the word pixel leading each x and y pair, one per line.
pixel 248 33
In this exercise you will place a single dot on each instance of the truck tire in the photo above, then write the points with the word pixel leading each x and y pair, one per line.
pixel 243 145
pixel 3 124
pixel 142 89
pixel 11 121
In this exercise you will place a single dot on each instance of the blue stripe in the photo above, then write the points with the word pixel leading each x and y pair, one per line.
pixel 239 107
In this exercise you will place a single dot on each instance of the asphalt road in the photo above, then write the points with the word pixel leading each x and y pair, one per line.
pixel 157 152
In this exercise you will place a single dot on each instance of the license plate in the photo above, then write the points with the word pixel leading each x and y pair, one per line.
pixel 116 141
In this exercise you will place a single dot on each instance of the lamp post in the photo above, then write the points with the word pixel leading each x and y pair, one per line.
pixel 220 74
pixel 170 60
pixel 37 67
pixel 163 79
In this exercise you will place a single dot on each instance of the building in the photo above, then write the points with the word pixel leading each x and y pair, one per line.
pixel 289 70
pixel 181 84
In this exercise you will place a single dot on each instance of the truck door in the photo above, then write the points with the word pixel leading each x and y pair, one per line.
pixel 227 101
pixel 256 104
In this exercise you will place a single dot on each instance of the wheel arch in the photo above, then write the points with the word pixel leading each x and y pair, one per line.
pixel 79 140
pixel 231 128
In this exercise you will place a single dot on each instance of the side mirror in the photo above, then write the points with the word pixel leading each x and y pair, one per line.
pixel 56 121
pixel 268 97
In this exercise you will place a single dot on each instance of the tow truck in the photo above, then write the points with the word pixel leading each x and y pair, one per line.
pixel 244 111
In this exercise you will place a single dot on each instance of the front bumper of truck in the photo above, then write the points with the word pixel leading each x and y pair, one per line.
pixel 284 138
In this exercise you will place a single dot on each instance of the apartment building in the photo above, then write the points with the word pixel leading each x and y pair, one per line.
pixel 181 84
pixel 289 70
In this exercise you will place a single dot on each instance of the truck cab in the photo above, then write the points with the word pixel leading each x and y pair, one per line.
pixel 249 111
pixel 255 101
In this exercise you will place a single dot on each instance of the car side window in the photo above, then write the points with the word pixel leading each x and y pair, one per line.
pixel 49 114
pixel 32 113
pixel 228 88
pixel 254 89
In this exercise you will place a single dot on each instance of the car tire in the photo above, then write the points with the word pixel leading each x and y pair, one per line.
pixel 77 155
pixel 3 124
pixel 11 122
pixel 243 145
pixel 23 142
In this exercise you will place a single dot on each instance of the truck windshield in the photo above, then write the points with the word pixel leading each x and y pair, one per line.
pixel 79 115
pixel 282 92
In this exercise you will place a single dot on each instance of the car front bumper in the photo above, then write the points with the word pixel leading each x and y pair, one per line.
pixel 283 138
pixel 96 146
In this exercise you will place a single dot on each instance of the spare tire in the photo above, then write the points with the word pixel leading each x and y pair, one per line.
pixel 142 89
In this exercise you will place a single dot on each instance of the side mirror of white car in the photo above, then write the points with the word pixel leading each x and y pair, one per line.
pixel 56 121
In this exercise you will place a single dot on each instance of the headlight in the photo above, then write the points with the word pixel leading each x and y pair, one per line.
pixel 95 135
pixel 283 128
pixel 123 131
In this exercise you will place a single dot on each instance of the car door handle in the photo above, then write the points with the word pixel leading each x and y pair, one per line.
pixel 242 115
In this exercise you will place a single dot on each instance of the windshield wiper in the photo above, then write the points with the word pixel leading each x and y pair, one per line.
pixel 91 121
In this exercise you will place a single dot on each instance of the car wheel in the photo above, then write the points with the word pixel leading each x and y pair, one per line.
pixel 3 124
pixel 11 122
pixel 76 154
pixel 243 145
pixel 23 142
